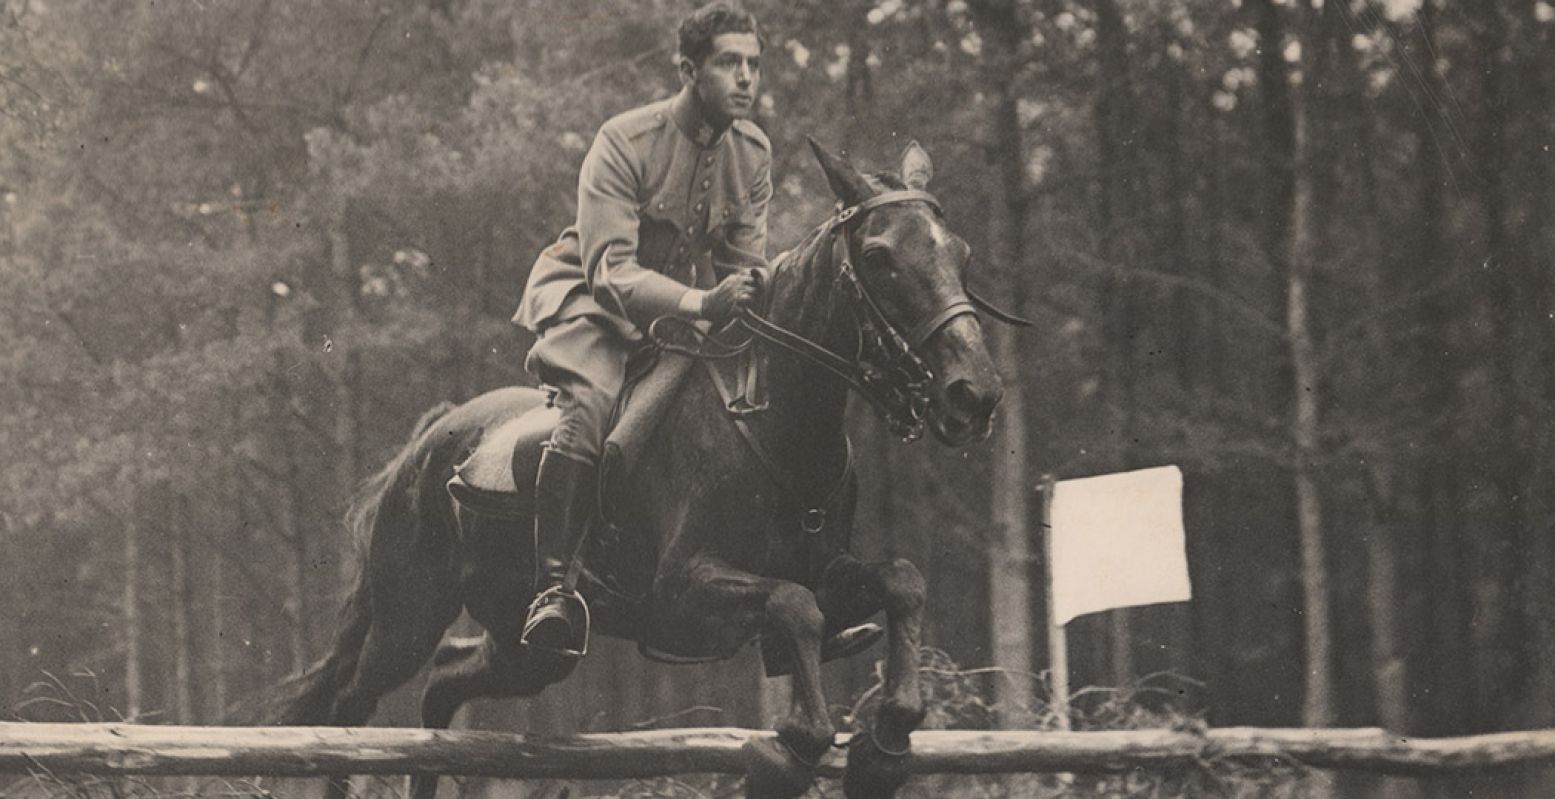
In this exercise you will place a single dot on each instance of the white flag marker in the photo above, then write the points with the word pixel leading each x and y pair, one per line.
pixel 1117 541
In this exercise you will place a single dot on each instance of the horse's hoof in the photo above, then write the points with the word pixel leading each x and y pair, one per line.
pixel 873 772
pixel 773 771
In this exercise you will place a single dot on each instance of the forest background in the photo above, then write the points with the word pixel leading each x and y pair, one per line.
pixel 1300 248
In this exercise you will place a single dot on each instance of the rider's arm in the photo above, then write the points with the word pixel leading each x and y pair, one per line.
pixel 691 303
pixel 607 234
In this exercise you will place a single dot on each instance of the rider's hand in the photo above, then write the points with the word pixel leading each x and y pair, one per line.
pixel 734 292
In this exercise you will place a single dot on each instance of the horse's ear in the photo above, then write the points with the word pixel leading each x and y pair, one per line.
pixel 846 182
pixel 917 169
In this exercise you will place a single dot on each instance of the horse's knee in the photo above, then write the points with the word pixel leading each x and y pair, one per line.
pixel 902 587
pixel 793 609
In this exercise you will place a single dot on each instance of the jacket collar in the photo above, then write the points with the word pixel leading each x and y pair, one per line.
pixel 683 108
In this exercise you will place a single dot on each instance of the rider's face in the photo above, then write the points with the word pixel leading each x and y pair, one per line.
pixel 726 81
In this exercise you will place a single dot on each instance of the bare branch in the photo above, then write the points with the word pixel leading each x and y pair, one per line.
pixel 345 97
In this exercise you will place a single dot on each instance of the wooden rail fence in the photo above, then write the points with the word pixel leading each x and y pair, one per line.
pixel 126 749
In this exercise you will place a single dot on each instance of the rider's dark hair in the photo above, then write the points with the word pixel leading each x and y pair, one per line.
pixel 699 28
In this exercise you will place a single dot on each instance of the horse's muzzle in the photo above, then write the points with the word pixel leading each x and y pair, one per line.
pixel 969 388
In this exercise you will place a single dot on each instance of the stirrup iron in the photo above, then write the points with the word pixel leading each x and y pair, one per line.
pixel 581 639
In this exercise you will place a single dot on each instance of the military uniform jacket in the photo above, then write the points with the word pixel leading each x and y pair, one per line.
pixel 662 207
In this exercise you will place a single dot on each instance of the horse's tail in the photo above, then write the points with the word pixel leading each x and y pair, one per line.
pixel 308 698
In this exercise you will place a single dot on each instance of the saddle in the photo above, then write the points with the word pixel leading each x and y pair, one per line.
pixel 495 479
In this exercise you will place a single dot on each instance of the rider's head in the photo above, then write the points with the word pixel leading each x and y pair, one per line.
pixel 720 60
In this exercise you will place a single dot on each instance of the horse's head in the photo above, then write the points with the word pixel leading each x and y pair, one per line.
pixel 910 267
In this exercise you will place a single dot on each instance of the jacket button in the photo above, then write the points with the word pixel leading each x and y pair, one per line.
pixel 707 183
pixel 661 206
pixel 710 160
pixel 699 207
pixel 691 230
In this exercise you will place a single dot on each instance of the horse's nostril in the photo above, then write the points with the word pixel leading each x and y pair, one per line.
pixel 959 394
pixel 963 398
pixel 968 401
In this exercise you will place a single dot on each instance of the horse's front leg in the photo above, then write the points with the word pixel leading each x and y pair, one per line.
pixel 854 590
pixel 709 600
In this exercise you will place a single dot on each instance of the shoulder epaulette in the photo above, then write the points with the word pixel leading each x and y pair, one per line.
pixel 752 131
pixel 641 120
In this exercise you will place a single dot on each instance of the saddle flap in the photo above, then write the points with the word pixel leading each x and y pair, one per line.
pixel 508 455
pixel 641 409
pixel 508 449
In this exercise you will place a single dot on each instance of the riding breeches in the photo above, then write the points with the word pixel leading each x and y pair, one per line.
pixel 585 362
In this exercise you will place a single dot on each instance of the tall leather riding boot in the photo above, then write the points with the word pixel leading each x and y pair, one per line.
pixel 558 618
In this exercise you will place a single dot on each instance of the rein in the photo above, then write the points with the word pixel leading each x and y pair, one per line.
pixel 896 381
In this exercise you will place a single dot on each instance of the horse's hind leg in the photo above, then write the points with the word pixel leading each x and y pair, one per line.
pixel 403 636
pixel 471 668
pixel 854 590
pixel 407 625
pixel 475 668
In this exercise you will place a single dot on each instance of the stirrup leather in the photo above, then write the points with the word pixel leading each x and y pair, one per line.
pixel 581 639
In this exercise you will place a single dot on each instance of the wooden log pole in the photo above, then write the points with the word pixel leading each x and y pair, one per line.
pixel 123 749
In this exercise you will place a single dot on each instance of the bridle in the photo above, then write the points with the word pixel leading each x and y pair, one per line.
pixel 887 369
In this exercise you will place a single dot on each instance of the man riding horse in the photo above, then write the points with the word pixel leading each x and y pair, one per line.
pixel 672 221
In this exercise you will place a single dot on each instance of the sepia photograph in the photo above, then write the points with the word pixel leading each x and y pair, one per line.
pixel 548 399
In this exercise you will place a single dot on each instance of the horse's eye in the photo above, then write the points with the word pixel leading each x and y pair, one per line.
pixel 877 257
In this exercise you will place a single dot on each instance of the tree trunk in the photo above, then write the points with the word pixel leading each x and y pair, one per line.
pixel 11 594
pixel 299 610
pixel 1384 600
pixel 1318 701
pixel 230 527
pixel 1117 141
pixel 1009 568
pixel 345 369
pixel 216 661
pixel 285 500
pixel 1496 543
pixel 1437 364
pixel 134 686
pixel 1181 183
pixel 182 602
pixel 1537 381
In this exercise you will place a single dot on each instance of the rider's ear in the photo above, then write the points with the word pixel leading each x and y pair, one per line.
pixel 688 70
pixel 917 169
pixel 846 182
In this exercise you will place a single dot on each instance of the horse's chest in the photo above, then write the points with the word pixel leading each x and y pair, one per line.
pixel 798 543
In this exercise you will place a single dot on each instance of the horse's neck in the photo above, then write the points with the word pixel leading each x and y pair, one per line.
pixel 807 402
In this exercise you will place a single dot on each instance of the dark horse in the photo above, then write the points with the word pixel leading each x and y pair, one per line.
pixel 736 531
